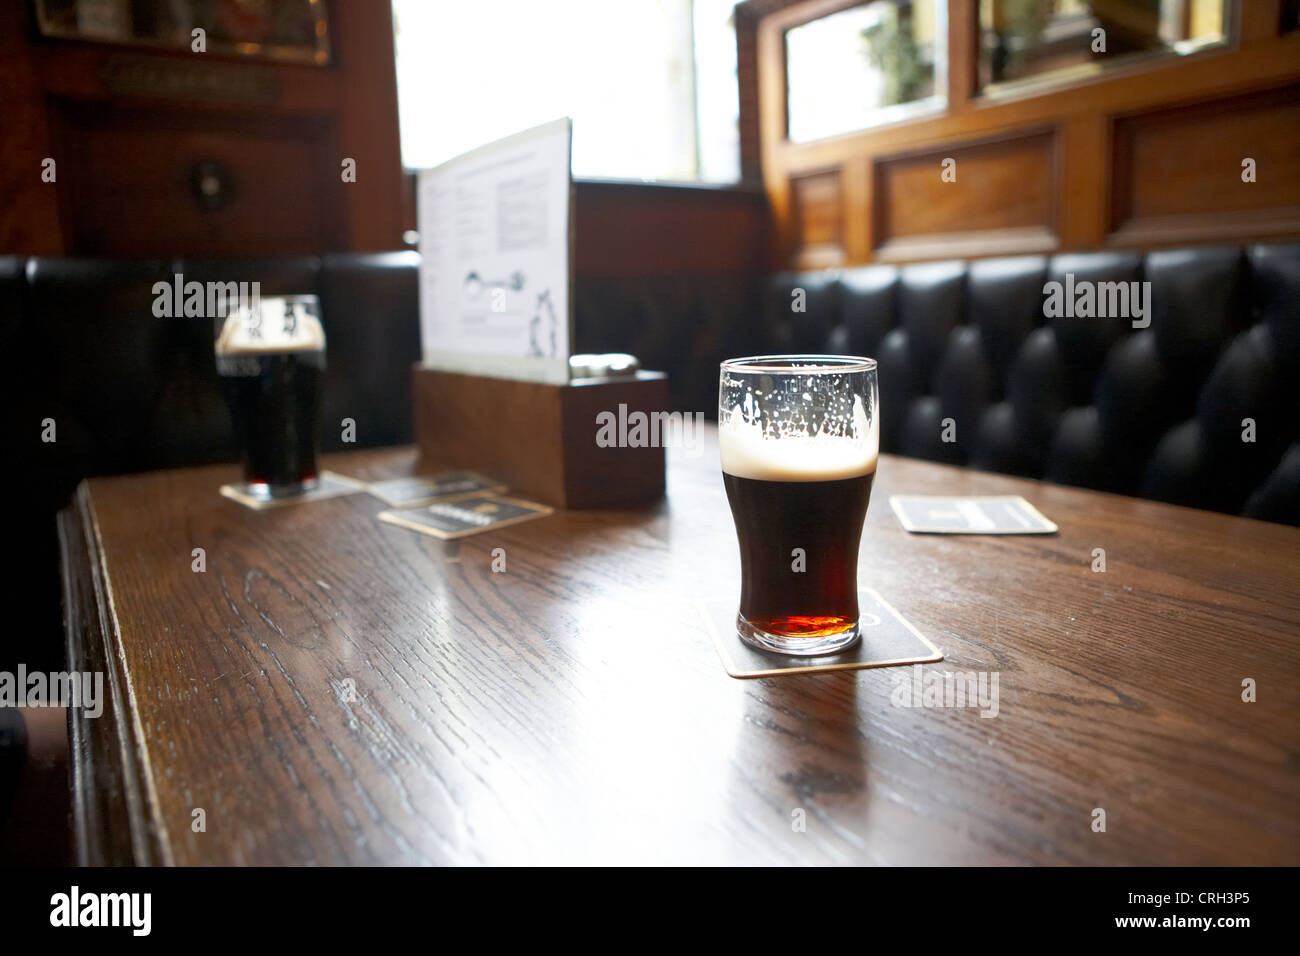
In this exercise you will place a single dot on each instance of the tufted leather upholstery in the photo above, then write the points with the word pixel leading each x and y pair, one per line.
pixel 1094 402
pixel 1086 401
pixel 130 391
pixel 682 325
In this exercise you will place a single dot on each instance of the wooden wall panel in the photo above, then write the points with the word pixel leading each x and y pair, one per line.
pixel 259 119
pixel 1180 170
pixel 634 229
pixel 1004 195
pixel 29 218
pixel 817 204
pixel 131 190
pixel 1129 156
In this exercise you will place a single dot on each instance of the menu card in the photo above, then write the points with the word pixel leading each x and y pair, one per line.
pixel 495 246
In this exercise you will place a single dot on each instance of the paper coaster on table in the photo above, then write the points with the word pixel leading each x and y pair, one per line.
pixel 887 639
pixel 460 517
pixel 330 485
pixel 989 514
pixel 425 489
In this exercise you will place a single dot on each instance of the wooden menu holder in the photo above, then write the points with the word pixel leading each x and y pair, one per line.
pixel 538 439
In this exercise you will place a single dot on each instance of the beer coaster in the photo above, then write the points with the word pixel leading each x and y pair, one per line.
pixel 991 514
pixel 420 490
pixel 887 639
pixel 329 486
pixel 462 517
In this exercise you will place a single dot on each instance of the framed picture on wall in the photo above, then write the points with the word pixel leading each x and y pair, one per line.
pixel 294 31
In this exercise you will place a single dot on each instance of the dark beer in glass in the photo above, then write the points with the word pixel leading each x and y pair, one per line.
pixel 798 439
pixel 271 359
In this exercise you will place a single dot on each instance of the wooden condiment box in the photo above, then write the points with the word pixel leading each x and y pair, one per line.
pixel 539 439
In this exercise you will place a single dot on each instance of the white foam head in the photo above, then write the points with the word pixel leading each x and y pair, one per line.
pixel 747 452
pixel 242 335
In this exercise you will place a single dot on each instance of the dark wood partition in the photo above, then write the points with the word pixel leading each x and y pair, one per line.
pixel 162 152
pixel 625 229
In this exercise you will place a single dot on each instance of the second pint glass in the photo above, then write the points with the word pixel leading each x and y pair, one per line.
pixel 798 437
pixel 271 359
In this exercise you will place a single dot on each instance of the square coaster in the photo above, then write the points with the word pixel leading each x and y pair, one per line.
pixel 887 639
pixel 420 490
pixel 989 514
pixel 329 486
pixel 462 517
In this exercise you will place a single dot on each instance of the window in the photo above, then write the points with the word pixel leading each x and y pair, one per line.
pixel 650 84
pixel 864 66
pixel 1059 40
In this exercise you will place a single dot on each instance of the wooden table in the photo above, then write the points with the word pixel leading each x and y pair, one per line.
pixel 572 709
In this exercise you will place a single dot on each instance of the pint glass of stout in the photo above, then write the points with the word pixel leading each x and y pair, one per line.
pixel 271 359
pixel 798 438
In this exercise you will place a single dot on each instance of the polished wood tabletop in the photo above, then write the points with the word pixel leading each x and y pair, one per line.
pixel 572 708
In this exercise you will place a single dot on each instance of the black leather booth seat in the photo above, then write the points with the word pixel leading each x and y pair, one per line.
pixel 1087 401
pixel 130 391
pixel 1156 412
pixel 1093 402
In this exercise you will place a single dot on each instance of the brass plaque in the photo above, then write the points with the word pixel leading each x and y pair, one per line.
pixel 168 79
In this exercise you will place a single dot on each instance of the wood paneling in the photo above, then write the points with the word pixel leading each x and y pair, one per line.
pixel 122 141
pixel 29 212
pixel 131 192
pixel 817 207
pixel 1111 131
pixel 634 229
pixel 1180 170
pixel 627 229
pixel 747 17
pixel 366 105
pixel 1004 193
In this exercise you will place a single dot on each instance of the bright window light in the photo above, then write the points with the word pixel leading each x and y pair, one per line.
pixel 650 84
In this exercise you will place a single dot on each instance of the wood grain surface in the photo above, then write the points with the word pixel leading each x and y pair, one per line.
pixel 572 709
